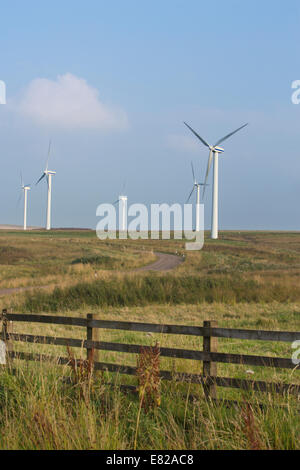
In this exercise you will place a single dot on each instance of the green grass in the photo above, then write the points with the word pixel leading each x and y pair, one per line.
pixel 41 259
pixel 244 280
pixel 107 262
pixel 156 289
pixel 39 410
pixel 246 316
pixel 12 255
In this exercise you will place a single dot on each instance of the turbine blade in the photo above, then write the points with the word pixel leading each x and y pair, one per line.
pixel 208 169
pixel 194 179
pixel 49 148
pixel 116 202
pixel 229 135
pixel 190 195
pixel 43 176
pixel 197 135
pixel 19 199
pixel 21 179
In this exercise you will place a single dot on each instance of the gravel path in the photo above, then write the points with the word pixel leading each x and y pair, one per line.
pixel 165 262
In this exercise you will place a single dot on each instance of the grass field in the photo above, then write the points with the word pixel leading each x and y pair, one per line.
pixel 244 280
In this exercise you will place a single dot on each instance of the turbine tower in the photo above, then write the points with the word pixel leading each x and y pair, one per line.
pixel 48 174
pixel 196 186
pixel 25 188
pixel 122 200
pixel 214 151
pixel 122 213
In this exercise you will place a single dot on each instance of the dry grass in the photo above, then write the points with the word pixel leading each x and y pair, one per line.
pixel 274 316
pixel 270 261
pixel 40 409
pixel 40 259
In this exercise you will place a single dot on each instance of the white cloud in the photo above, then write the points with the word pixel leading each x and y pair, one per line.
pixel 183 143
pixel 69 102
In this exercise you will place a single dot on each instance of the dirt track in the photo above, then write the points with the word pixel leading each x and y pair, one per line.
pixel 165 262
pixel 19 289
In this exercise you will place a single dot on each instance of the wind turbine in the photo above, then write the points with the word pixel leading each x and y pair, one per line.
pixel 122 200
pixel 48 174
pixel 196 186
pixel 25 188
pixel 214 151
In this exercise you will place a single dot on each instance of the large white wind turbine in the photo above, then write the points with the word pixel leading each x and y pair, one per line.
pixel 25 188
pixel 196 186
pixel 214 151
pixel 48 174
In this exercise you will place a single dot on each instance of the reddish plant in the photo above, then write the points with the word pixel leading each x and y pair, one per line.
pixel 250 428
pixel 82 372
pixel 149 376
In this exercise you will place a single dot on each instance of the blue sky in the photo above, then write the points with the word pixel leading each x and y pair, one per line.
pixel 153 64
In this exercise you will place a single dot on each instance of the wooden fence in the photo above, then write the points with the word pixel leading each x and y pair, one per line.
pixel 209 356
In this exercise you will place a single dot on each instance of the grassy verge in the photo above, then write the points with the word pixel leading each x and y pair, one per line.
pixel 158 289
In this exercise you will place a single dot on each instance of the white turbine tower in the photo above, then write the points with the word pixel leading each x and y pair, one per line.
pixel 214 151
pixel 48 174
pixel 196 186
pixel 122 213
pixel 25 188
pixel 123 224
pixel 122 200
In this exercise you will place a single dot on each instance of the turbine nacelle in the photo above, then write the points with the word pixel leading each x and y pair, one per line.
pixel 25 187
pixel 218 150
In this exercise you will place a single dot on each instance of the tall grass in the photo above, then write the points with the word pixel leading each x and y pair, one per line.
pixel 39 409
pixel 96 260
pixel 156 289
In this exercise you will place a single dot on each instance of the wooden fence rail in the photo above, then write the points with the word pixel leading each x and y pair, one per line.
pixel 230 333
pixel 210 356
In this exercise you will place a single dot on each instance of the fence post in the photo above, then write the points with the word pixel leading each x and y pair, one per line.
pixel 210 344
pixel 92 334
pixel 5 337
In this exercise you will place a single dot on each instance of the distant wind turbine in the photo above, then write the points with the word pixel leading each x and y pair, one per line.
pixel 196 186
pixel 214 151
pixel 48 174
pixel 122 201
pixel 122 212
pixel 25 188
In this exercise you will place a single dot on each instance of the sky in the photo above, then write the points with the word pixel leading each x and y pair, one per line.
pixel 110 83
